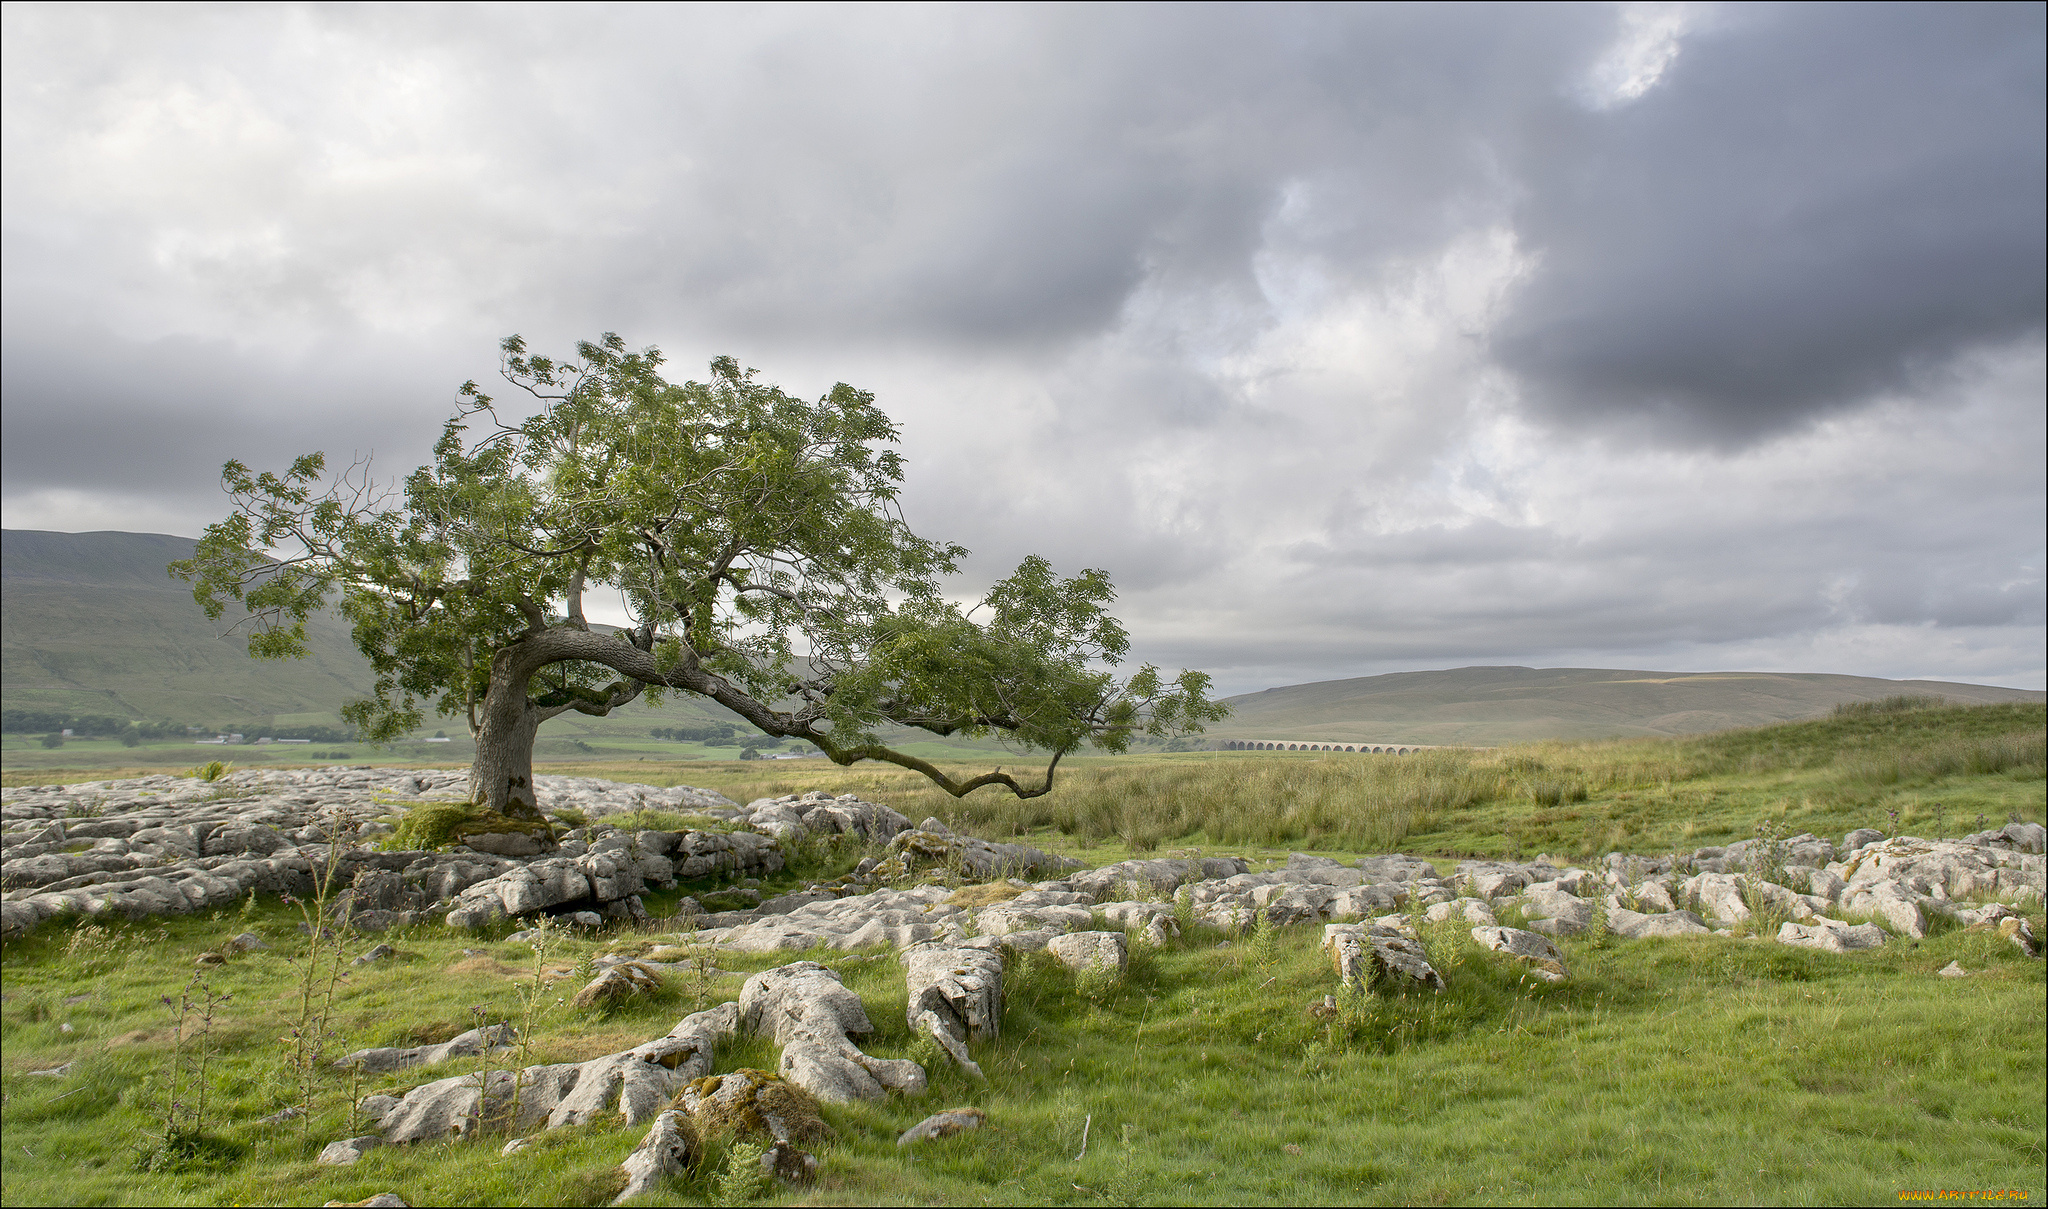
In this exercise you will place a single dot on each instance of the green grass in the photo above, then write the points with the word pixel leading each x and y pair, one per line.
pixel 1710 1070
pixel 1716 1069
pixel 1939 768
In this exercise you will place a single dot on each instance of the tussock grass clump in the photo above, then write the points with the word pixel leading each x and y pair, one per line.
pixel 1974 757
pixel 986 894
pixel 1556 793
pixel 1898 703
pixel 1364 802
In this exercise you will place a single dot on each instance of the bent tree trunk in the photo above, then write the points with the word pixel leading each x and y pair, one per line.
pixel 501 776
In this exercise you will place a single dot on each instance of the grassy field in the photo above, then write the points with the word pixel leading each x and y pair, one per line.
pixel 1721 1069
pixel 1940 769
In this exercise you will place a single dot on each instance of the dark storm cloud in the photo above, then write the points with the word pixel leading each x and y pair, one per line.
pixel 1816 205
pixel 1017 183
pixel 154 420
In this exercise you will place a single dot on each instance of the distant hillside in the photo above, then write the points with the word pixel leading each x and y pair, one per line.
pixel 1486 705
pixel 92 623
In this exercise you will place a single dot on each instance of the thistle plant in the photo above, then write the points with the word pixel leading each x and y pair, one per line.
pixel 700 960
pixel 1184 909
pixel 1764 861
pixel 182 1121
pixel 1263 946
pixel 532 1005
pixel 1632 892
pixel 1095 982
pixel 480 1014
pixel 319 973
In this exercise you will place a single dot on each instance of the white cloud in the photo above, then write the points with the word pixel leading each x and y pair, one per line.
pixel 1649 37
pixel 1214 302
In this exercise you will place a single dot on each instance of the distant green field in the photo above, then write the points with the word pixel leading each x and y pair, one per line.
pixel 1939 769
pixel 91 623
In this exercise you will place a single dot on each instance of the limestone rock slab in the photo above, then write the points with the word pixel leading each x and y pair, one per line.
pixel 807 1011
pixel 1372 957
pixel 1831 935
pixel 1083 951
pixel 1536 952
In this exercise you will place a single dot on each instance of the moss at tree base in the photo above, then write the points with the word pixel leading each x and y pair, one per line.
pixel 436 825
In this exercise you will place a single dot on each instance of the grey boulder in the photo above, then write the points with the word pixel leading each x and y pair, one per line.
pixel 1831 936
pixel 943 1125
pixel 1637 926
pixel 956 996
pixel 1370 956
pixel 348 1150
pixel 1536 952
pixel 1083 951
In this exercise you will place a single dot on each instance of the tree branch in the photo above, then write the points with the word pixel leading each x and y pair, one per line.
pixel 959 789
pixel 536 621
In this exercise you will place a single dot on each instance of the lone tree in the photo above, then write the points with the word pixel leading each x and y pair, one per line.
pixel 754 538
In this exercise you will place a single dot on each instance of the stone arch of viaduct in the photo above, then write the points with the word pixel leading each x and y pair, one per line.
pixel 1388 749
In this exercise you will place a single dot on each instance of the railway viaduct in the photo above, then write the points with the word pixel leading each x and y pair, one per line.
pixel 1385 749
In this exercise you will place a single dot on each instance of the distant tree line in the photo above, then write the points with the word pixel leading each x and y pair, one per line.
pixel 108 726
pixel 98 726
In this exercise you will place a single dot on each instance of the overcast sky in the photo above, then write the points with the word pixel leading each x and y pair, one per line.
pixel 1349 340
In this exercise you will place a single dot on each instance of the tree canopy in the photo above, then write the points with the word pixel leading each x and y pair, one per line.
pixel 757 544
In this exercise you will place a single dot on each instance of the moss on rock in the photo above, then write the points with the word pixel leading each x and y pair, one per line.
pixel 988 894
pixel 749 1103
pixel 435 825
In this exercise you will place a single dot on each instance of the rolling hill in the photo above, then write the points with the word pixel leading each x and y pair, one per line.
pixel 1487 705
pixel 90 623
